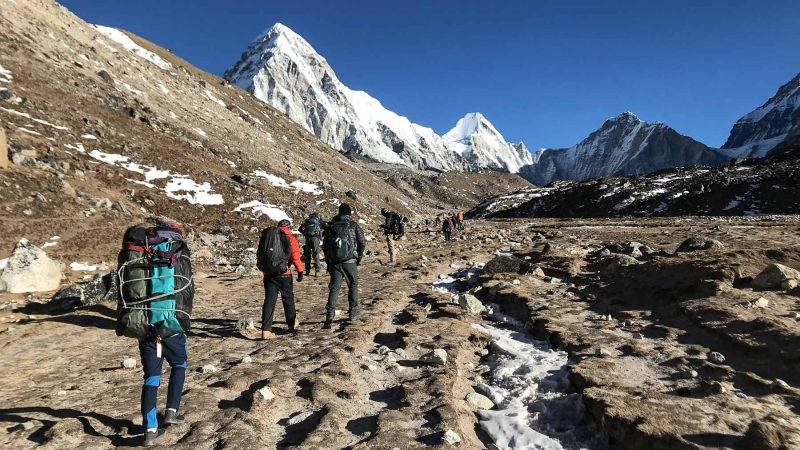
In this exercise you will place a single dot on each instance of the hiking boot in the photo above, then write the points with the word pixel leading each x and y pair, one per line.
pixel 327 325
pixel 150 437
pixel 316 272
pixel 266 334
pixel 172 417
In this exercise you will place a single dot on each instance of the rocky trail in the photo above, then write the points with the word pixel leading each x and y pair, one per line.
pixel 568 339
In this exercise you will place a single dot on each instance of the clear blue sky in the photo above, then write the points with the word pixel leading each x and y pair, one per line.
pixel 546 72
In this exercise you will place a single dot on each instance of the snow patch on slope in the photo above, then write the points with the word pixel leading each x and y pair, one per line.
pixel 127 43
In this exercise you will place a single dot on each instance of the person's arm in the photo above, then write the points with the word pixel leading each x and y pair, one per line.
pixel 294 254
pixel 361 242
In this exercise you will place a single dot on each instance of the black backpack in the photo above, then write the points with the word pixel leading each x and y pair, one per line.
pixel 311 227
pixel 273 252
pixel 341 242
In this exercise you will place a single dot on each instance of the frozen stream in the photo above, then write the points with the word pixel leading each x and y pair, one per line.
pixel 535 405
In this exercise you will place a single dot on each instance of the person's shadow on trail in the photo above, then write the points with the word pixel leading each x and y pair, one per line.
pixel 40 435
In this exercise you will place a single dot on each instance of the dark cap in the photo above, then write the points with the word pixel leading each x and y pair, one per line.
pixel 284 223
pixel 345 210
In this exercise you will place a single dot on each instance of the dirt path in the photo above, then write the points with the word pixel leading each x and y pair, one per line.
pixel 63 385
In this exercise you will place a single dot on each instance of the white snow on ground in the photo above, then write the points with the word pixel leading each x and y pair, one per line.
pixel 132 89
pixel 200 132
pixel 213 98
pixel 192 192
pixel 49 244
pixel 127 43
pixel 89 136
pixel 179 186
pixel 5 75
pixel 733 203
pixel 271 211
pixel 530 387
pixel 163 88
pixel 3 262
pixel 535 408
pixel 300 186
pixel 28 116
pixel 80 267
pixel 29 131
pixel 78 146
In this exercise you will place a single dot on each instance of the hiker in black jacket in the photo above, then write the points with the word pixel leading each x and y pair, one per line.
pixel 393 229
pixel 311 230
pixel 343 243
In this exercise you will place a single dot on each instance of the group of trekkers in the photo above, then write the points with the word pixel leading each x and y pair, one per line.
pixel 156 290
pixel 450 223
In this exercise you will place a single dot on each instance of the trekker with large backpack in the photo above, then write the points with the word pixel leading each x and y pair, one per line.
pixel 277 251
pixel 311 230
pixel 156 292
pixel 343 243
pixel 394 229
pixel 447 227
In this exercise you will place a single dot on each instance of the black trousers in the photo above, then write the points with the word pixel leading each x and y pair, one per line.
pixel 349 273
pixel 311 253
pixel 447 234
pixel 274 285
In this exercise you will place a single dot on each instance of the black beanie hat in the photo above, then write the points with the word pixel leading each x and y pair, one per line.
pixel 345 210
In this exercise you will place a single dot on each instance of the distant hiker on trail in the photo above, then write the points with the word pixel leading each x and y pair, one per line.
pixel 311 230
pixel 460 220
pixel 393 229
pixel 447 227
pixel 156 292
pixel 343 244
pixel 277 251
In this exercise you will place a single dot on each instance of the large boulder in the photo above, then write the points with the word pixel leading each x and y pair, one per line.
pixel 694 244
pixel 775 275
pixel 100 288
pixel 506 264
pixel 470 303
pixel 614 264
pixel 30 270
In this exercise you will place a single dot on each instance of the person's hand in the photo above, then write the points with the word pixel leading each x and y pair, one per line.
pixel 300 277
pixel 358 261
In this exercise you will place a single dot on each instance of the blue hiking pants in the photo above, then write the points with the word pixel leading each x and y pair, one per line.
pixel 174 350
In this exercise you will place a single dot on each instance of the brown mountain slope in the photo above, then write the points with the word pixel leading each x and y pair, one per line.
pixel 90 119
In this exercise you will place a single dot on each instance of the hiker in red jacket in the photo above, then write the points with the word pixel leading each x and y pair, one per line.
pixel 278 250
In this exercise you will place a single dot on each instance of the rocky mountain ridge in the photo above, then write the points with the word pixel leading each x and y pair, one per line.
pixel 623 145
pixel 753 187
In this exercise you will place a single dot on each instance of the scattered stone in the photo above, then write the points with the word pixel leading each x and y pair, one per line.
pixel 400 352
pixel 470 303
pixel 208 368
pixel 774 275
pixel 370 367
pixel 478 401
pixel 298 418
pixel 246 324
pixel 760 303
pixel 638 336
pixel 614 264
pixel 383 350
pixel 780 385
pixel 716 357
pixel 266 393
pixel 538 272
pixel 506 264
pixel 438 357
pixel 688 373
pixel 247 359
pixel 99 288
pixel 718 388
pixel 29 269
pixel 450 437
pixel 698 243
pixel 129 363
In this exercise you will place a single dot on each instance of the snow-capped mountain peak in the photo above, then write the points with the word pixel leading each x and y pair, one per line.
pixel 623 145
pixel 283 69
pixel 761 130
pixel 479 142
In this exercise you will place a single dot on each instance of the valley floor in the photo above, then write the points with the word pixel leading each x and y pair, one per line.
pixel 644 374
